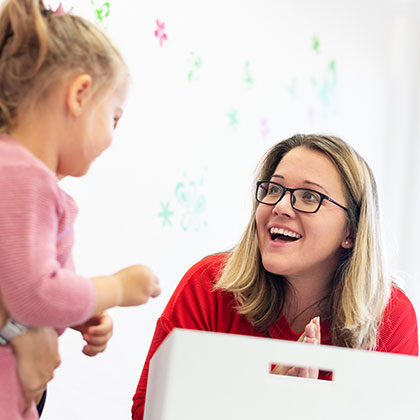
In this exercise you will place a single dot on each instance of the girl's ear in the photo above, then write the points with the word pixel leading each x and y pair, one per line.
pixel 78 94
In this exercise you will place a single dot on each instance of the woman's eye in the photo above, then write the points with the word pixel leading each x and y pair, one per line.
pixel 309 196
pixel 273 189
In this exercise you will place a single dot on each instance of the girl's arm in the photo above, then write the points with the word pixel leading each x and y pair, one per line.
pixel 38 282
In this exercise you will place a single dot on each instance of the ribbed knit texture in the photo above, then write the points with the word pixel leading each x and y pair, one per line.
pixel 37 281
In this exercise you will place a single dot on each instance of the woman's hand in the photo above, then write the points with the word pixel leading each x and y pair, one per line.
pixel 96 332
pixel 37 357
pixel 312 335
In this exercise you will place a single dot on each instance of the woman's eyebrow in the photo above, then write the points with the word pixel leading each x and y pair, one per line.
pixel 317 185
pixel 305 182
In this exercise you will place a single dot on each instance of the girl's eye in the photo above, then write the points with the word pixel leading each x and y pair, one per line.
pixel 117 117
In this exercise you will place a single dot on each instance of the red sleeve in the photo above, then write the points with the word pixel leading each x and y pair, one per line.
pixel 163 328
pixel 193 305
pixel 398 331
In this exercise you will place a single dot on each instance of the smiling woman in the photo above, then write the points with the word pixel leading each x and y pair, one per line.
pixel 309 266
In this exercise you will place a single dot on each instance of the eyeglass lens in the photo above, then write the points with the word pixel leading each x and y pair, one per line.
pixel 302 199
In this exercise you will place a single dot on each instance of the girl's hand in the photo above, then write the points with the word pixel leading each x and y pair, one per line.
pixel 312 335
pixel 131 286
pixel 96 332
pixel 138 285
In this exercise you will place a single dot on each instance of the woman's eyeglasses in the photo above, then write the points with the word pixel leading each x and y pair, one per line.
pixel 301 199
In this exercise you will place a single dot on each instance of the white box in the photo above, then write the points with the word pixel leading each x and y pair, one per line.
pixel 197 375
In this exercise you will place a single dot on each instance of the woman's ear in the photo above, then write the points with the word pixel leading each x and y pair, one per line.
pixel 78 94
pixel 347 243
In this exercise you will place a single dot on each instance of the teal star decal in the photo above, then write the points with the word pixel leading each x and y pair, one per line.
pixel 233 117
pixel 249 80
pixel 165 214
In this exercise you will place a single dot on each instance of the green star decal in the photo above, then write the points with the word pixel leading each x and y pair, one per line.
pixel 315 45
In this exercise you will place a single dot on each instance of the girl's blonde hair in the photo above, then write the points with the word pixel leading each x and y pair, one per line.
pixel 360 288
pixel 38 48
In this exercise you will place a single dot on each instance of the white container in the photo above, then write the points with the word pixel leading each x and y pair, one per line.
pixel 197 375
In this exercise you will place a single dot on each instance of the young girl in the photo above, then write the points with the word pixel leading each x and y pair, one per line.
pixel 63 86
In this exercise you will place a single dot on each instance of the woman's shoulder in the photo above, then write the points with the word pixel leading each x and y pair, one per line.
pixel 398 332
pixel 399 302
pixel 210 266
pixel 197 285
pixel 204 274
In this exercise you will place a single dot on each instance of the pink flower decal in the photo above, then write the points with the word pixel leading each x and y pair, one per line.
pixel 160 32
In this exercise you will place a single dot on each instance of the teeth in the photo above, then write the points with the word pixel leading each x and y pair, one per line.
pixel 284 232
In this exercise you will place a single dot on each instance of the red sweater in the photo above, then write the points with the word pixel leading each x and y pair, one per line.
pixel 195 305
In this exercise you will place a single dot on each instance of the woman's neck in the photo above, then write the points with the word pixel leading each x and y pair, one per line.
pixel 305 301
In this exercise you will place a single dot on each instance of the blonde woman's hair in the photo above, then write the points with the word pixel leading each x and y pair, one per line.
pixel 38 48
pixel 360 288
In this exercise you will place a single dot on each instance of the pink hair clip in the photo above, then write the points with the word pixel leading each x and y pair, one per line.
pixel 60 10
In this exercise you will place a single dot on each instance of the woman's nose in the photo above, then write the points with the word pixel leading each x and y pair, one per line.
pixel 284 206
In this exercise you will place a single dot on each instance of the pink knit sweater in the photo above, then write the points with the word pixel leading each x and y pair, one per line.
pixel 37 280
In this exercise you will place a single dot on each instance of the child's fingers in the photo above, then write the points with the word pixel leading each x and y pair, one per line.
pixel 91 351
pixel 96 340
pixel 103 326
pixel 155 287
pixel 100 330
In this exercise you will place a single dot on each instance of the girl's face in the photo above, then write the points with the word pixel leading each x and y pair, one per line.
pixel 311 243
pixel 94 131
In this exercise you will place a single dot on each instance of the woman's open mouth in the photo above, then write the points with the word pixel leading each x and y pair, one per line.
pixel 282 234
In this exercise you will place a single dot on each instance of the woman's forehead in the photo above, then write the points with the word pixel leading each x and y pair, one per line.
pixel 307 166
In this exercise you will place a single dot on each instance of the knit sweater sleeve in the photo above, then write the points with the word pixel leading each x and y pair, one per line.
pixel 398 331
pixel 193 305
pixel 35 287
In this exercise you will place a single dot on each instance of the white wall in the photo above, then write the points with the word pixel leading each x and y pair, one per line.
pixel 176 146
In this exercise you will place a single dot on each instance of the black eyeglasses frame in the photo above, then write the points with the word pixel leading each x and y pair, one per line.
pixel 292 191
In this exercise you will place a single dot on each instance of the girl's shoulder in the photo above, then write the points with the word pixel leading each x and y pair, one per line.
pixel 28 176
pixel 16 161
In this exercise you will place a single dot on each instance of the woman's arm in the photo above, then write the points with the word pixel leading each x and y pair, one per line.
pixel 37 357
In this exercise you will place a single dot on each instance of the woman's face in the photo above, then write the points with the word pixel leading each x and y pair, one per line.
pixel 311 243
